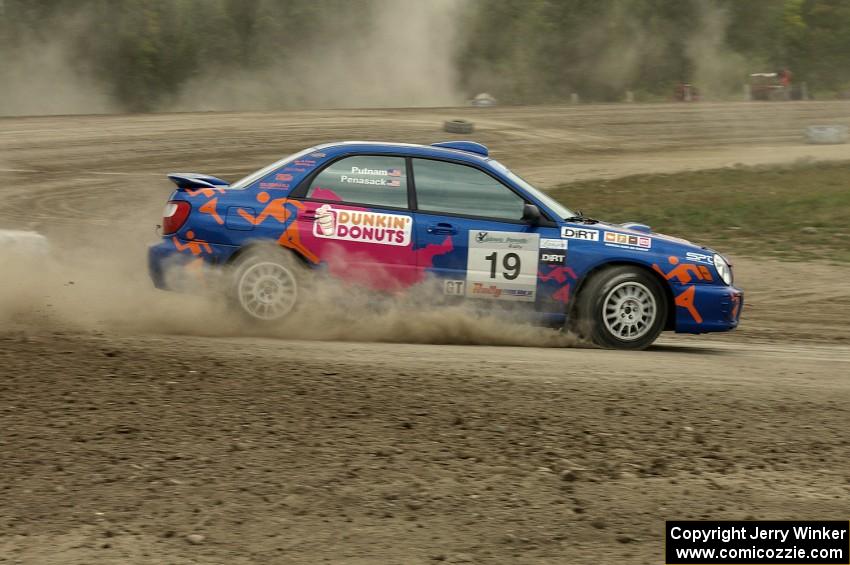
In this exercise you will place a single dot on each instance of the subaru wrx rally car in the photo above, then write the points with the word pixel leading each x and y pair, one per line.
pixel 389 216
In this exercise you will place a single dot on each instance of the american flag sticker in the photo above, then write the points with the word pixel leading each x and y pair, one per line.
pixel 394 173
pixel 393 182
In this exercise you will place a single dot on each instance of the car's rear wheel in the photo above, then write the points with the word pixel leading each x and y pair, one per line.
pixel 621 308
pixel 265 285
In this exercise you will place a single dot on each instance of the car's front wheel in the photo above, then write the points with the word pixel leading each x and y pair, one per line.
pixel 621 308
pixel 265 285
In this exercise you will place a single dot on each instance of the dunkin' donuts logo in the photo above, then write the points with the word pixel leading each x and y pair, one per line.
pixel 365 227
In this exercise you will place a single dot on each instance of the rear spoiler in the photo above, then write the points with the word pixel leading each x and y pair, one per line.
pixel 195 181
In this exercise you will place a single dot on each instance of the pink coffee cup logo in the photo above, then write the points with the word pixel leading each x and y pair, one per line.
pixel 326 220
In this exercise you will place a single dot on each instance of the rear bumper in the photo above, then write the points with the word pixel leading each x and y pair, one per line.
pixel 175 265
pixel 707 308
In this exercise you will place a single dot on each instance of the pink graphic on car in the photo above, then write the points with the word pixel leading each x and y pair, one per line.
pixel 561 276
pixel 365 246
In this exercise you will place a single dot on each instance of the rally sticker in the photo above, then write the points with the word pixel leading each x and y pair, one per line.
pixel 454 288
pixel 502 265
pixel 552 257
pixel 699 257
pixel 614 239
pixel 376 172
pixel 553 243
pixel 379 177
pixel 365 227
pixel 580 233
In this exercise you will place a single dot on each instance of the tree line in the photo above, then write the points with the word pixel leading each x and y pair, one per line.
pixel 521 51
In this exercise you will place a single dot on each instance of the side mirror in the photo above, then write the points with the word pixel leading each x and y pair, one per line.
pixel 530 214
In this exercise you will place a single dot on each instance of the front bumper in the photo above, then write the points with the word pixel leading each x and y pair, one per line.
pixel 707 308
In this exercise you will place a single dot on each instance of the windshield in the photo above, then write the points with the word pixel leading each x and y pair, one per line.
pixel 562 211
pixel 256 175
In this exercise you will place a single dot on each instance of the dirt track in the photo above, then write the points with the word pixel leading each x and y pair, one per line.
pixel 120 440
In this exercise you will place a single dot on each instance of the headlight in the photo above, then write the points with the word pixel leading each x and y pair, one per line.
pixel 724 271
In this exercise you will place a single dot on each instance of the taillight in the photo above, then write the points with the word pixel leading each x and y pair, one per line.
pixel 174 216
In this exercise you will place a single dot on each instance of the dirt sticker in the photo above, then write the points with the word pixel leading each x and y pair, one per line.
pixel 580 233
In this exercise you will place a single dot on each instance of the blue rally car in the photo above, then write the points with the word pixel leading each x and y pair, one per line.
pixel 389 216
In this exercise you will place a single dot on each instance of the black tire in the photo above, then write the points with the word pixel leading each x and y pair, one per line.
pixel 458 126
pixel 621 307
pixel 265 284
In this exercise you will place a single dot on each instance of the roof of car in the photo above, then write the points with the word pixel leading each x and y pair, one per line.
pixel 406 148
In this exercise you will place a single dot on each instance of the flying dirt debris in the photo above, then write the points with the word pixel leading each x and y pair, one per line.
pixel 24 242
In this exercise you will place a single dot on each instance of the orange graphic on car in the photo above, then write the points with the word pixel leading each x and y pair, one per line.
pixel 686 301
pixel 560 275
pixel 194 246
pixel 209 208
pixel 284 211
pixel 208 192
pixel 736 305
pixel 686 273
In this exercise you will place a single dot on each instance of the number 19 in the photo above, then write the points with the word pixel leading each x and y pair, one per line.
pixel 510 262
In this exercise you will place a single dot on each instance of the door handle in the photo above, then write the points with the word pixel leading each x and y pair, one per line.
pixel 442 229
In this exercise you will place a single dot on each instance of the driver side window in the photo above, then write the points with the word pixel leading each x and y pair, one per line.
pixel 371 180
pixel 459 189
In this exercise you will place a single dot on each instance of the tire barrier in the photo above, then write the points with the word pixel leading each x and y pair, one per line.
pixel 458 126
pixel 826 135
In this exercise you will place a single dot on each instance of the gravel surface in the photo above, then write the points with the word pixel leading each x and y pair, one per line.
pixel 139 428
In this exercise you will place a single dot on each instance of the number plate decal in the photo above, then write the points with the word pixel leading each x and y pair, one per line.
pixel 502 265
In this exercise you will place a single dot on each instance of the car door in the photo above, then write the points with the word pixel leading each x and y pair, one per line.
pixel 355 220
pixel 471 236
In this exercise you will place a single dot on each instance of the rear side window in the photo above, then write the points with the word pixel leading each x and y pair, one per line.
pixel 363 179
pixel 457 189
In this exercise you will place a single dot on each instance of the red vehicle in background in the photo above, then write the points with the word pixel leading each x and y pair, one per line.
pixel 773 86
pixel 686 92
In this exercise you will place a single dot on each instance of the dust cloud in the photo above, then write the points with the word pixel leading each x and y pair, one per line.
pixel 618 48
pixel 43 78
pixel 94 288
pixel 382 53
pixel 396 53
pixel 616 57
pixel 717 70
pixel 402 57
pixel 347 313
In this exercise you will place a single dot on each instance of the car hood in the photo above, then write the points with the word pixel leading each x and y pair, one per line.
pixel 633 229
